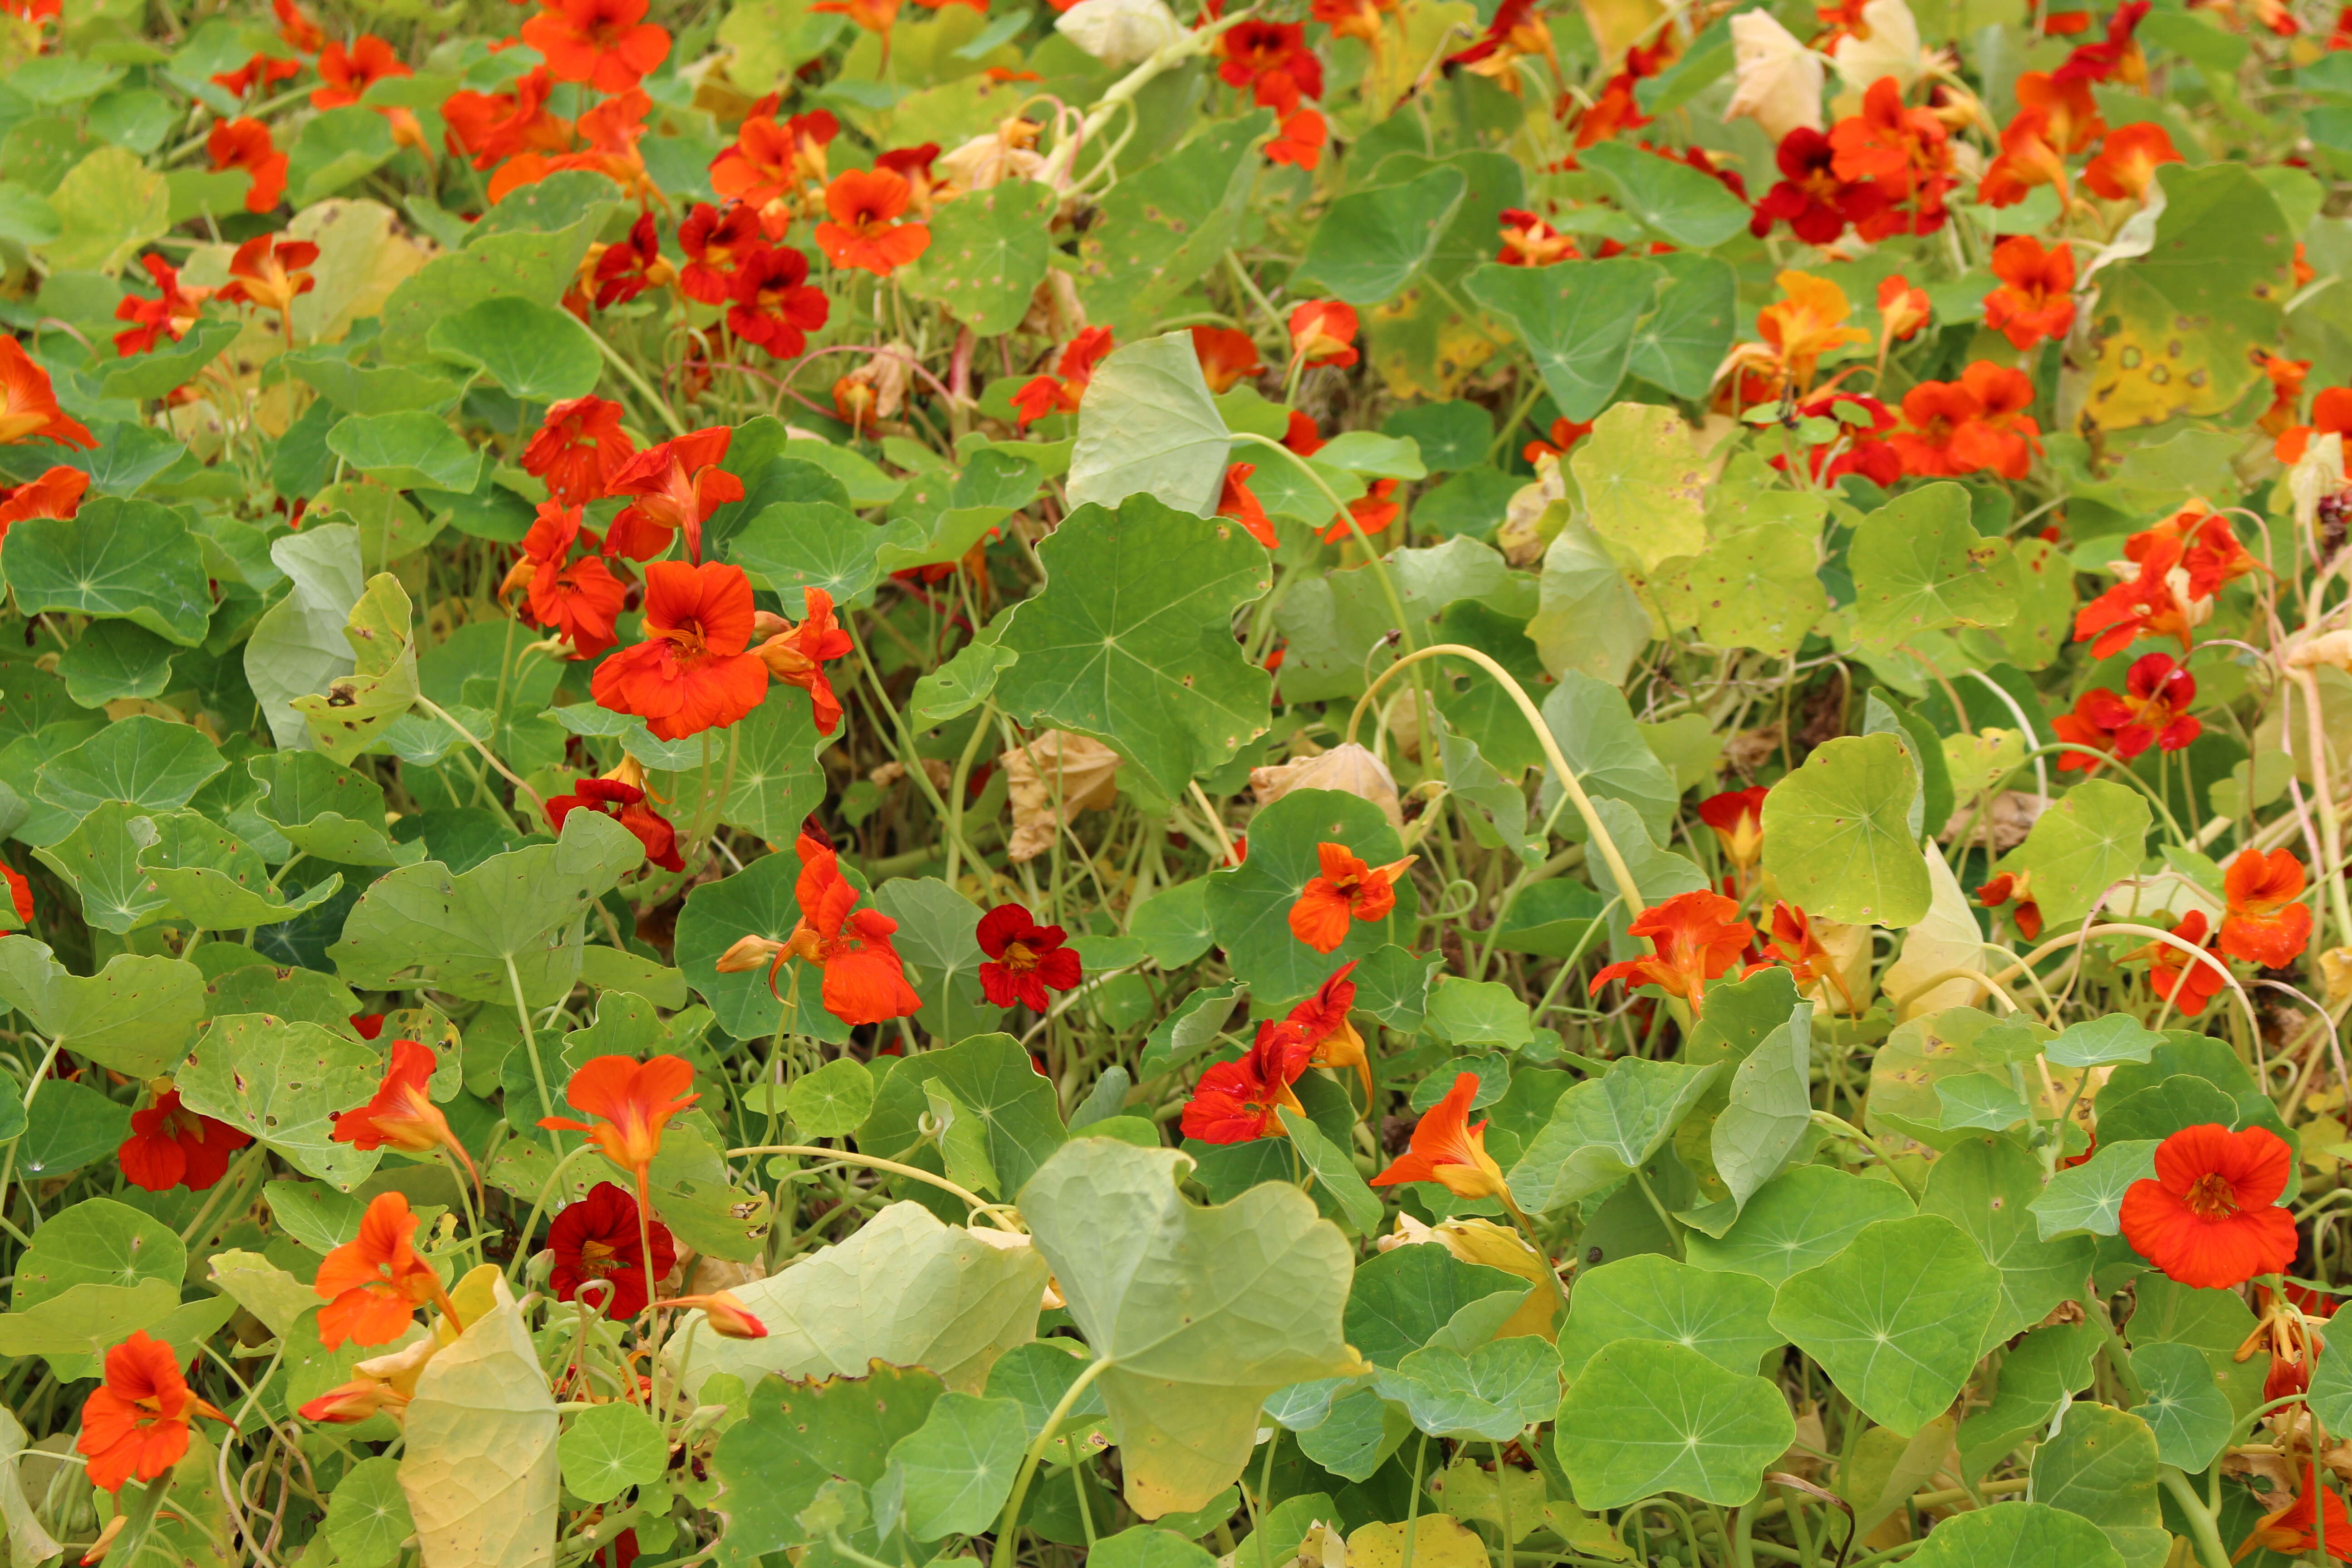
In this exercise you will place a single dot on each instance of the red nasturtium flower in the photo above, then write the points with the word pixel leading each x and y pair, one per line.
pixel 245 145
pixel 1345 889
pixel 1736 817
pixel 632 1102
pixel 497 126
pixel 623 799
pixel 774 305
pixel 1237 501
pixel 373 1284
pixel 57 492
pixel 862 207
pixel 171 1146
pixel 913 164
pixel 2165 581
pixel 348 76
pixel 260 70
pixel 1529 241
pixel 1324 1018
pixel 1059 393
pixel 1240 1100
pixel 135 1424
pixel 265 273
pixel 1559 441
pixel 2294 1528
pixel 295 25
pixel 865 980
pixel 1372 511
pixel 597 1241
pixel 1323 332
pixel 1809 197
pixel 2153 709
pixel 627 268
pixel 797 654
pixel 2265 923
pixel 169 315
pixel 1447 1150
pixel 1299 141
pixel 1794 944
pixel 1961 427
pixel 1271 59
pixel 578 600
pixel 2036 299
pixel 1025 960
pixel 2016 886
pixel 2209 1217
pixel 1227 355
pixel 2187 983
pixel 608 44
pixel 578 447
pixel 677 486
pixel 1694 938
pixel 692 672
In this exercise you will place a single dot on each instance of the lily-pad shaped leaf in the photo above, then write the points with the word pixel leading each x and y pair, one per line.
pixel 1147 423
pixel 535 353
pixel 1249 905
pixel 1837 835
pixel 796 546
pixel 1724 1317
pixel 209 875
pixel 1896 1319
pixel 1199 1313
pixel 2080 848
pixel 1142 658
pixel 1369 243
pixel 2101 1463
pixel 1669 197
pixel 100 860
pixel 115 660
pixel 1647 1416
pixel 128 560
pixel 1604 1128
pixel 283 1084
pixel 511 924
pixel 96 1242
pixel 1986 1185
pixel 141 761
pixel 411 450
pixel 608 1448
pixel 2100 1042
pixel 2017 1536
pixel 952 1475
pixel 1577 322
pixel 803 1434
pixel 327 811
pixel 1495 1392
pixel 987 255
pixel 135 1016
pixel 2089 1196
pixel 1919 566
pixel 990 1076
pixel 2188 1414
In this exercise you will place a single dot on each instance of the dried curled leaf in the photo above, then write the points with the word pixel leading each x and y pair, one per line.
pixel 1083 773
pixel 1348 767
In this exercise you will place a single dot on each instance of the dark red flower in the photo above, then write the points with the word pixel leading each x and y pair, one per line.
pixel 1025 960
pixel 624 804
pixel 171 1146
pixel 597 1239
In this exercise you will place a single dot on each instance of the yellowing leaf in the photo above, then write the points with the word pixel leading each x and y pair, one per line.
pixel 480 1469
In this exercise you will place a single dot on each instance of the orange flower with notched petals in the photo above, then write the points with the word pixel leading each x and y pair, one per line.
pixel 266 272
pixel 1323 332
pixel 1529 241
pixel 2265 923
pixel 28 402
pixel 1237 501
pixel 1323 1017
pixel 1060 393
pixel 402 1112
pixel 797 654
pixel 692 672
pixel 2210 1218
pixel 135 1424
pixel 1346 889
pixel 865 980
pixel 578 600
pixel 1963 426
pixel 350 74
pixel 1300 140
pixel 1794 944
pixel 578 447
pixel 2027 159
pixel 677 486
pixel 1693 938
pixel 2331 414
pixel 607 44
pixel 169 315
pixel 2188 983
pixel 2071 115
pixel 1447 1150
pixel 1372 511
pixel 2286 378
pixel 1227 355
pixel 2128 159
pixel 496 126
pixel 631 1102
pixel 1806 323
pixel 259 72
pixel 1737 818
pixel 245 145
pixel 2036 299
pixel 373 1284
pixel 864 206
pixel 2294 1527
pixel 2015 887
pixel 1902 309
pixel 57 492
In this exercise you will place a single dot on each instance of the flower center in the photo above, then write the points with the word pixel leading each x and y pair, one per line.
pixel 596 1259
pixel 1017 956
pixel 2212 1196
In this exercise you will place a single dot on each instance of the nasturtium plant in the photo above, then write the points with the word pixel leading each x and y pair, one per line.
pixel 1160 782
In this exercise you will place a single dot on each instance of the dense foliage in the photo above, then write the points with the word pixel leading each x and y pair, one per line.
pixel 1384 783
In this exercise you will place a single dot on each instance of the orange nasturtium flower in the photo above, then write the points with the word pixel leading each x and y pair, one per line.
pixel 1794 944
pixel 2187 983
pixel 725 1312
pixel 2209 1217
pixel 1447 1150
pixel 608 44
pixel 1227 356
pixel 677 486
pixel 402 1113
pixel 136 1421
pixel 245 145
pixel 863 208
pixel 1346 889
pixel 384 1385
pixel 797 655
pixel 2264 924
pixel 2036 297
pixel 865 980
pixel 2292 1528
pixel 1239 1102
pixel 28 402
pixel 267 272
pixel 2125 168
pixel 373 1283
pixel 1902 309
pixel 631 1102
pixel 1324 1018
pixel 1736 816
pixel 1323 332
pixel 1695 939
pixel 1806 323
pixel 692 672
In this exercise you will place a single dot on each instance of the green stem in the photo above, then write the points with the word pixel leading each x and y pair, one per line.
pixel 530 1044
pixel 2202 1528
pixel 630 373
pixel 1002 1558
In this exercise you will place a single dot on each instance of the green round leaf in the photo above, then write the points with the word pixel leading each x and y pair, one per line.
pixel 1249 904
pixel 1647 1416
pixel 607 1450
pixel 2017 1536
pixel 535 353
pixel 1837 835
pixel 1726 1318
